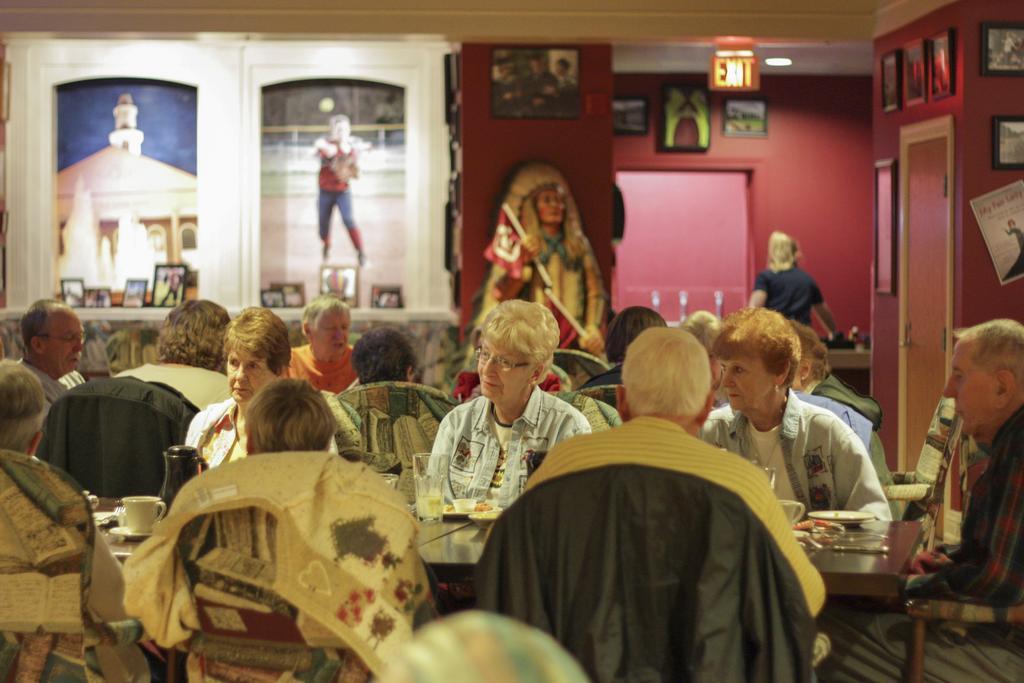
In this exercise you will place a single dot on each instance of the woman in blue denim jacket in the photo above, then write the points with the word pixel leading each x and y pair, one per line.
pixel 482 446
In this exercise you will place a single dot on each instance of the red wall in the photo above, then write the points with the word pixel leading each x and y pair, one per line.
pixel 581 149
pixel 811 177
pixel 978 295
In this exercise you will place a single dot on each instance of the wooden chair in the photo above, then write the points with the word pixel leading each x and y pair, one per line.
pixel 923 489
pixel 46 632
pixel 600 415
pixel 397 420
pixel 923 611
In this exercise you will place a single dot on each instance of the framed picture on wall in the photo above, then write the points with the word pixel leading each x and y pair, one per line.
pixel 885 226
pixel 1002 49
pixel 915 73
pixel 942 73
pixel 535 83
pixel 1007 142
pixel 891 81
pixel 294 293
pixel 745 118
pixel 629 115
pixel 272 298
pixel 685 119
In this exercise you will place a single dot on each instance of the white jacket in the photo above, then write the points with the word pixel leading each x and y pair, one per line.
pixel 825 461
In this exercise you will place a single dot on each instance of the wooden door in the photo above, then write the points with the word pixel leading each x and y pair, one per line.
pixel 927 303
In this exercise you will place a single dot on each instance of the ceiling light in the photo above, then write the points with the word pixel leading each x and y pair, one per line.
pixel 778 61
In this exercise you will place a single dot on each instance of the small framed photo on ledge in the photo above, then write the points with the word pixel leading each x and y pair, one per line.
pixel 342 281
pixel 72 291
pixel 386 296
pixel 272 298
pixel 135 293
pixel 169 285
pixel 294 293
pixel 98 297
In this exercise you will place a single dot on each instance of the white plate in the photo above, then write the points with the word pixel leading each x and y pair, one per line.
pixel 844 517
pixel 129 535
pixel 797 533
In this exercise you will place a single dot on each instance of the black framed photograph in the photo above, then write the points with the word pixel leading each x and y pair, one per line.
pixel 629 115
pixel 72 291
pixel 134 293
pixel 535 83
pixel 745 118
pixel 915 73
pixel 169 285
pixel 272 298
pixel 294 293
pixel 1002 49
pixel 342 281
pixel 885 226
pixel 685 119
pixel 97 297
pixel 1007 142
pixel 942 73
pixel 891 81
pixel 386 296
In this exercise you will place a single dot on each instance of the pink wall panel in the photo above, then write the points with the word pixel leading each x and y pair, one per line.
pixel 684 231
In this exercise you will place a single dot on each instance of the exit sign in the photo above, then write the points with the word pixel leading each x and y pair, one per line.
pixel 734 72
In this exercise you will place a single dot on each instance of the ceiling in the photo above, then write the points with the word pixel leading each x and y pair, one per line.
pixel 833 58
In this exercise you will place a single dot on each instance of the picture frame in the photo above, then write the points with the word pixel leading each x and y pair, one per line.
pixel 886 221
pixel 294 293
pixel 915 73
pixel 98 297
pixel 535 83
pixel 342 281
pixel 386 296
pixel 272 298
pixel 942 69
pixel 630 115
pixel 745 117
pixel 1002 49
pixel 134 293
pixel 5 91
pixel 169 285
pixel 72 291
pixel 1007 142
pixel 685 119
pixel 892 81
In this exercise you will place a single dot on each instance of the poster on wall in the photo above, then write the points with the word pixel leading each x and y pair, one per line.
pixel 126 179
pixel 535 83
pixel 1000 216
pixel 332 180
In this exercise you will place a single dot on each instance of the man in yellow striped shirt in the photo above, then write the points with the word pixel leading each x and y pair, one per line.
pixel 650 554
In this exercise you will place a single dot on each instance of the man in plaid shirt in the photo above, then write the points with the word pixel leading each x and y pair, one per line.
pixel 987 382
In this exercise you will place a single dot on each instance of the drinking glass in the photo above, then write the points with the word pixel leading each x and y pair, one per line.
pixel 429 501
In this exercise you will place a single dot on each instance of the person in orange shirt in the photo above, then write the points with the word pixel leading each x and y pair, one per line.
pixel 326 361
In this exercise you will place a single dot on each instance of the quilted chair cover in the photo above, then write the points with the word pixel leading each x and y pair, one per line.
pixel 46 634
pixel 397 420
pixel 600 415
pixel 604 393
pixel 580 365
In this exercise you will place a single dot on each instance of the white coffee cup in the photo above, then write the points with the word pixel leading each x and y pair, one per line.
pixel 794 510
pixel 142 512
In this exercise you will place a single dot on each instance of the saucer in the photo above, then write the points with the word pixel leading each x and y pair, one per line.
pixel 128 535
pixel 844 517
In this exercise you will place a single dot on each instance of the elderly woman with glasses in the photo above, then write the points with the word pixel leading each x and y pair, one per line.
pixel 482 447
pixel 817 458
